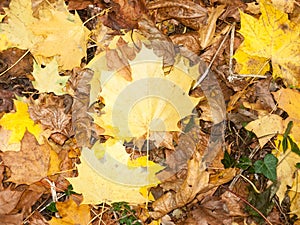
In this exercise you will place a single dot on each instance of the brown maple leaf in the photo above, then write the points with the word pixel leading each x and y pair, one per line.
pixel 30 164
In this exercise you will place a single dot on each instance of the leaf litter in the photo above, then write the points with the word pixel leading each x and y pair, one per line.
pixel 72 97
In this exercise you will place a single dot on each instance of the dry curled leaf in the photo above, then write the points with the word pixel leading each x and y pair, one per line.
pixel 81 121
pixel 50 111
pixel 188 12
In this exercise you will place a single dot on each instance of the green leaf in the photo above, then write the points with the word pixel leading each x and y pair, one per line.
pixel 69 190
pixel 294 146
pixel 267 167
pixel 228 161
pixel 285 136
pixel 52 207
pixel 297 165
pixel 244 163
pixel 261 201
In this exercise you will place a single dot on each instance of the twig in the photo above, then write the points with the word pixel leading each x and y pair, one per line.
pixel 15 63
pixel 204 75
pixel 249 204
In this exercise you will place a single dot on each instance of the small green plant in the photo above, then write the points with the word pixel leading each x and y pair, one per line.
pixel 126 215
pixel 52 207
pixel 69 190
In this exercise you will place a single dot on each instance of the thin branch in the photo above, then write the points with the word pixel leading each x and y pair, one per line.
pixel 15 63
pixel 204 75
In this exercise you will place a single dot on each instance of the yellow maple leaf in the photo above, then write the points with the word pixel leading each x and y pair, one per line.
pixel 55 33
pixel 18 122
pixel 97 189
pixel 271 37
pixel 150 101
pixel 71 213
pixel 120 178
pixel 47 79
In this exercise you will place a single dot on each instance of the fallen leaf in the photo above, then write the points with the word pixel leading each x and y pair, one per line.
pixel 295 202
pixel 189 13
pixel 283 5
pixel 162 139
pixel 289 100
pixel 33 157
pixel 81 120
pixel 97 189
pixel 137 113
pixel 261 42
pixel 18 122
pixel 37 219
pixel 27 200
pixel 212 211
pixel 46 36
pixel 115 164
pixel 8 200
pixel 4 143
pixel 71 213
pixel 266 127
pixel 195 182
pixel 161 44
pixel 208 31
pixel 47 78
pixel 124 14
pixel 51 112
pixel 13 219
pixel 286 168
pixel 6 99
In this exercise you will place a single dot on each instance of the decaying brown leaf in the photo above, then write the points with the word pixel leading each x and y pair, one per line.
pixel 195 182
pixel 187 12
pixel 212 211
pixel 6 100
pixel 51 112
pixel 27 200
pixel 124 14
pixel 37 219
pixel 33 157
pixel 189 40
pixel 161 44
pixel 14 219
pixel 8 200
pixel 81 121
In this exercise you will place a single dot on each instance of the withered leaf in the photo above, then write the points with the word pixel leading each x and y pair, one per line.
pixel 8 200
pixel 161 44
pixel 30 164
pixel 81 121
pixel 212 211
pixel 124 14
pixel 195 182
pixel 37 219
pixel 14 219
pixel 49 110
pixel 187 12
